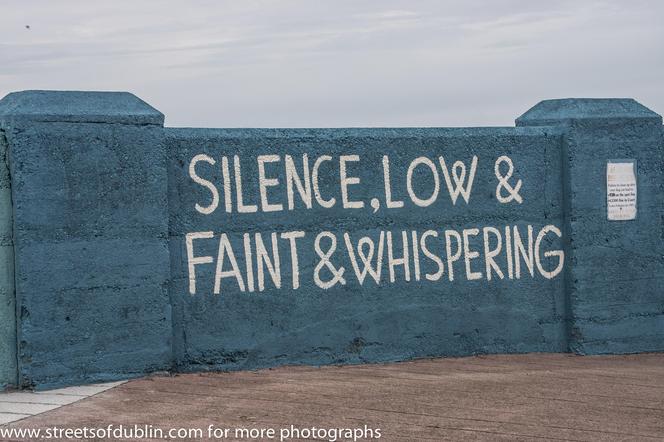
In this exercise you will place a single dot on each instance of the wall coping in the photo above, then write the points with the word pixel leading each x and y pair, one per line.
pixel 18 108
pixel 564 110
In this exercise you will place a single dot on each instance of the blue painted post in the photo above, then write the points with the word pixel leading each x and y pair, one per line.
pixel 616 268
pixel 89 182
pixel 7 303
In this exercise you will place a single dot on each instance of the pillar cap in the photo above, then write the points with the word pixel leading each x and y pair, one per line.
pixel 77 107
pixel 564 111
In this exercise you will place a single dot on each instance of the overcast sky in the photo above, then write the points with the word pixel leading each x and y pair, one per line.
pixel 306 63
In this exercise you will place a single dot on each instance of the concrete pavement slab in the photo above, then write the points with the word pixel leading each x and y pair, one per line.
pixel 499 397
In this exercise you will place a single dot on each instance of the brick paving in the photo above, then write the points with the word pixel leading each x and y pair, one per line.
pixel 498 397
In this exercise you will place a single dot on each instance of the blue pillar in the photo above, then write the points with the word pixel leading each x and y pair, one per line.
pixel 615 270
pixel 7 301
pixel 89 189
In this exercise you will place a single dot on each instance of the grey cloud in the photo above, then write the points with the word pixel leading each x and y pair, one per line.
pixel 341 63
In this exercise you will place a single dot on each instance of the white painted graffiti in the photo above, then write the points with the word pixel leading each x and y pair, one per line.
pixel 258 261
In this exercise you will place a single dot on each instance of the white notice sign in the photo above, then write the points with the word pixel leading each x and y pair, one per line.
pixel 621 191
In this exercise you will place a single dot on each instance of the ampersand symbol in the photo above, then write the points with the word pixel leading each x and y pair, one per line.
pixel 337 274
pixel 503 182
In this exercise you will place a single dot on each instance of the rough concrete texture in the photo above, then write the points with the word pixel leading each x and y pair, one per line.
pixel 357 323
pixel 103 200
pixel 90 241
pixel 614 290
pixel 497 397
pixel 7 298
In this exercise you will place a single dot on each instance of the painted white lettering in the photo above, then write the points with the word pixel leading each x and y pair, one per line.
pixel 292 237
pixel 469 255
pixel 263 260
pixel 241 207
pixel 439 262
pixel 459 176
pixel 292 178
pixel 226 249
pixel 337 274
pixel 226 178
pixel 205 210
pixel 557 253
pixel 314 181
pixel 366 257
pixel 409 182
pixel 416 255
pixel 264 183
pixel 452 257
pixel 520 252
pixel 193 261
pixel 490 254
pixel 391 204
pixel 394 262
pixel 508 252
pixel 248 261
pixel 348 181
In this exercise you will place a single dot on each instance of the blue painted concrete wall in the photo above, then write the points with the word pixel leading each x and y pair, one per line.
pixel 355 322
pixel 108 286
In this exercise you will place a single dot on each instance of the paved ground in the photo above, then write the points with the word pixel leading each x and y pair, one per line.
pixel 21 404
pixel 525 397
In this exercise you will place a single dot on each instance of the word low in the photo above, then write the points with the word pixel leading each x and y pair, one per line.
pixel 257 261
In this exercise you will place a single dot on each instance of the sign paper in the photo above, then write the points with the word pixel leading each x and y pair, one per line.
pixel 621 191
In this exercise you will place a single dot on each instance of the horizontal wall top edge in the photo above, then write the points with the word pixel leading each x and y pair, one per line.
pixel 381 132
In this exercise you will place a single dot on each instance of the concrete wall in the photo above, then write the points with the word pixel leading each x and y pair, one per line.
pixel 123 233
pixel 373 321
